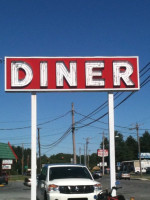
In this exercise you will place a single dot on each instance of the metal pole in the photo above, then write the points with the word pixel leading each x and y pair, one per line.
pixel 84 156
pixel 86 151
pixel 80 154
pixel 73 136
pixel 88 158
pixel 139 148
pixel 112 142
pixel 33 144
pixel 39 149
pixel 103 153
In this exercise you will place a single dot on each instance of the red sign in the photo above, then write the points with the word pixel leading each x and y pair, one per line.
pixel 100 152
pixel 71 74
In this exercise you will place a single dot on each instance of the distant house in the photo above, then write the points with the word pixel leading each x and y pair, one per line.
pixel 7 155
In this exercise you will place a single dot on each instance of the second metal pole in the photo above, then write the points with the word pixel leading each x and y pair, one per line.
pixel 33 144
pixel 112 142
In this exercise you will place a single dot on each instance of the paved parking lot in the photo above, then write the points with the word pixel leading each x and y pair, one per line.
pixel 139 189
pixel 15 190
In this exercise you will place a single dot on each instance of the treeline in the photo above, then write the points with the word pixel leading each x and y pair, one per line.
pixel 124 149
pixel 128 149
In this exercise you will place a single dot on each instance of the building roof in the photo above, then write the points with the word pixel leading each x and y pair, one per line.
pixel 6 151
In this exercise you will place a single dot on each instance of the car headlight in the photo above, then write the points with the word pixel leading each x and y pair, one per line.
pixel 97 187
pixel 53 187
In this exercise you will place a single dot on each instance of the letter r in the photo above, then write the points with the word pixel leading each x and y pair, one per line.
pixel 125 75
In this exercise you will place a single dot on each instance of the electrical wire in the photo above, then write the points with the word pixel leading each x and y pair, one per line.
pixel 50 146
pixel 40 124
pixel 95 111
pixel 116 95
pixel 90 114
pixel 105 114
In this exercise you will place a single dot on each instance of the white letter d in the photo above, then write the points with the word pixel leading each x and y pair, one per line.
pixel 15 67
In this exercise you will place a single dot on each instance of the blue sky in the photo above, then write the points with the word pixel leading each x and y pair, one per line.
pixel 72 28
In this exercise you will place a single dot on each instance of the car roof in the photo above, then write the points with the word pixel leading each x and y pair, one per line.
pixel 63 165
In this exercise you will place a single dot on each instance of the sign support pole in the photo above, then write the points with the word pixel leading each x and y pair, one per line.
pixel 112 142
pixel 33 144
pixel 103 155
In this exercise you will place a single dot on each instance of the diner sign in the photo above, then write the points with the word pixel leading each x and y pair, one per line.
pixel 45 74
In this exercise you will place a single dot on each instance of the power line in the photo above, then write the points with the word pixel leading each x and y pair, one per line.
pixel 93 112
pixel 60 139
pixel 142 85
pixel 40 124
pixel 116 95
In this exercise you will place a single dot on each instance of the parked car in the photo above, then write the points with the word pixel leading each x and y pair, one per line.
pixel 27 181
pixel 148 170
pixel 123 175
pixel 3 177
pixel 97 174
pixel 66 181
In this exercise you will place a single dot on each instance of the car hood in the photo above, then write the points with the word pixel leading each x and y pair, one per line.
pixel 73 181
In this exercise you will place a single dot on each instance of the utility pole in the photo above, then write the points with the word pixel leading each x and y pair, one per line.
pixel 73 136
pixel 80 154
pixel 88 157
pixel 103 153
pixel 22 159
pixel 87 142
pixel 139 146
pixel 84 155
pixel 39 149
pixel 86 151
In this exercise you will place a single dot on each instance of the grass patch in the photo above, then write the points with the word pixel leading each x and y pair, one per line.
pixel 16 178
pixel 145 176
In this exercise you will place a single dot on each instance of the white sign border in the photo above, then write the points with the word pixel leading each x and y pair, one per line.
pixel 74 90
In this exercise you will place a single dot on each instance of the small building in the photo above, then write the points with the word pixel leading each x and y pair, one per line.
pixel 7 155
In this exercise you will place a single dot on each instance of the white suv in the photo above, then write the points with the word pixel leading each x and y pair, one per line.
pixel 67 182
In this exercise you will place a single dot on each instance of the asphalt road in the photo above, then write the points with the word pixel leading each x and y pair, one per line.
pixel 15 190
pixel 139 189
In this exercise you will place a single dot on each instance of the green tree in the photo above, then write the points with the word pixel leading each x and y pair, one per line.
pixel 61 158
pixel 17 166
pixel 145 142
pixel 131 148
pixel 27 158
pixel 120 147
pixel 93 160
pixel 44 159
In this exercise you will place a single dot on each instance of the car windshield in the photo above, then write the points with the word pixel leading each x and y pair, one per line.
pixel 68 172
